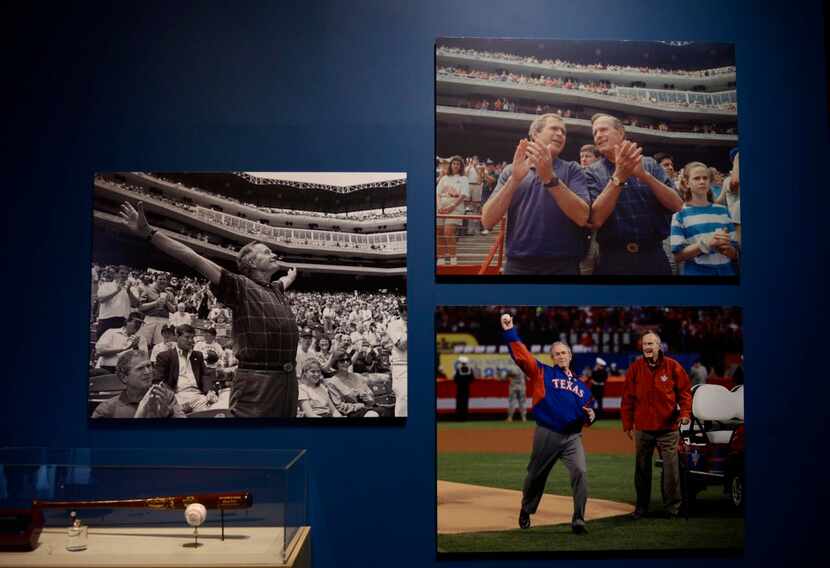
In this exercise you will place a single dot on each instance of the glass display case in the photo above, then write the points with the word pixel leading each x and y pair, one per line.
pixel 154 507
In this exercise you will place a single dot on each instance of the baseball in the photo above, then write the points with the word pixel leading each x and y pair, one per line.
pixel 195 514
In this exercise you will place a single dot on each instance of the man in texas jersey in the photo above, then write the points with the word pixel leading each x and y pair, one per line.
pixel 561 406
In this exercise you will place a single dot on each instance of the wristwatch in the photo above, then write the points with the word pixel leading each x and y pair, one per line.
pixel 554 181
pixel 616 181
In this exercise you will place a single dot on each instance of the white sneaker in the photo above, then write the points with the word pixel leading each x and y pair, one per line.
pixel 485 232
pixel 454 260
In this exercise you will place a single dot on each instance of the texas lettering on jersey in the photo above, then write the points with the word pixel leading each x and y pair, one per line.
pixel 568 385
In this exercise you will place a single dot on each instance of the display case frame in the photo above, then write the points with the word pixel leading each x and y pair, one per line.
pixel 265 524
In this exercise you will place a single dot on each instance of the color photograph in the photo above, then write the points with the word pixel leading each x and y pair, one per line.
pixel 586 161
pixel 589 431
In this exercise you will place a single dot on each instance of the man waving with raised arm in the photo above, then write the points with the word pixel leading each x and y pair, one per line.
pixel 561 407
pixel 264 327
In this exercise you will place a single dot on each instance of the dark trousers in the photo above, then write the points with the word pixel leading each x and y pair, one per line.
pixel 548 447
pixel 462 402
pixel 542 265
pixel 648 261
pixel 108 323
pixel 264 394
pixel 666 443
pixel 598 392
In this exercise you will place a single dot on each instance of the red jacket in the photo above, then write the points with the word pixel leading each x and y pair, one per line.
pixel 651 396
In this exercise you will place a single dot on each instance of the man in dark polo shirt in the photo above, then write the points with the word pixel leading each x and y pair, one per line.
pixel 546 202
pixel 632 204
pixel 264 327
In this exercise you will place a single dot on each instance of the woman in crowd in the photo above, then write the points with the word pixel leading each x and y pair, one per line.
pixel 702 233
pixel 451 192
pixel 325 354
pixel 314 400
pixel 350 392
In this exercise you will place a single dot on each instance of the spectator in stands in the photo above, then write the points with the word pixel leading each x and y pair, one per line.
pixel 698 373
pixel 471 170
pixel 313 399
pixel 398 346
pixel 183 370
pixel 633 202
pixel 716 184
pixel 304 350
pixel 210 349
pixel 546 203
pixel 364 359
pixel 350 392
pixel 115 300
pixel 156 303
pixel 324 354
pixel 168 335
pixel 489 182
pixel 264 328
pixel 141 398
pixel 656 397
pixel 453 189
pixel 180 317
pixel 731 194
pixel 702 234
pixel 588 154
pixel 666 162
pixel 117 341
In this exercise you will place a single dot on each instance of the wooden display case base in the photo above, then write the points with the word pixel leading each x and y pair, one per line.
pixel 169 548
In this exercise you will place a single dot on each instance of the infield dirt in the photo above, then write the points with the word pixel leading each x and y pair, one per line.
pixel 520 441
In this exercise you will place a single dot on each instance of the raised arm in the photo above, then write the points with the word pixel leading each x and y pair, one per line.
pixel 520 354
pixel 499 202
pixel 136 222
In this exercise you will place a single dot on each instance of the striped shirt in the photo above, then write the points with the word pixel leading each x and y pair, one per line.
pixel 694 223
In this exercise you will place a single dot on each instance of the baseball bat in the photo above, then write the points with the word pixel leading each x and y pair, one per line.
pixel 229 500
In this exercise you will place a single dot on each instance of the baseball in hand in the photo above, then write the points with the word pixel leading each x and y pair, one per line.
pixel 195 514
pixel 506 321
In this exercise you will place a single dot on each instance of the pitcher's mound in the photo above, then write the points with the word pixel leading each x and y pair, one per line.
pixel 472 508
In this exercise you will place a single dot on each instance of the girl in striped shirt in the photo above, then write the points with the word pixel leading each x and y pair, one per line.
pixel 702 233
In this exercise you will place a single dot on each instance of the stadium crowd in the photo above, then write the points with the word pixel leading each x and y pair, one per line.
pixel 346 335
pixel 678 99
pixel 504 104
pixel 367 215
pixel 710 333
pixel 559 64
pixel 333 239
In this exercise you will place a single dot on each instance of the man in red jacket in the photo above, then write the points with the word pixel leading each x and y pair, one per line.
pixel 657 394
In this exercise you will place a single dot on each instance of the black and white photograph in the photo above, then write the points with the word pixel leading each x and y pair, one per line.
pixel 604 161
pixel 278 295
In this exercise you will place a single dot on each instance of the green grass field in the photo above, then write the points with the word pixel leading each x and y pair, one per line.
pixel 713 524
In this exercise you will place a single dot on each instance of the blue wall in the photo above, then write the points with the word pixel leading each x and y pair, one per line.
pixel 349 86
